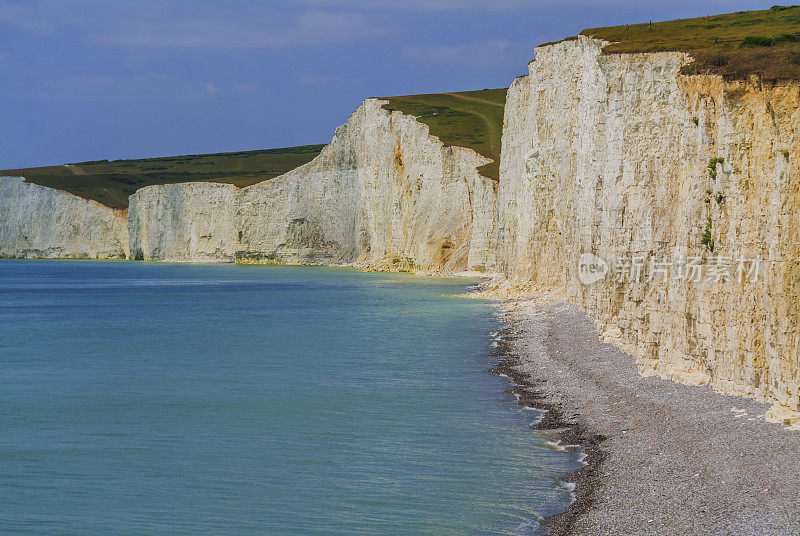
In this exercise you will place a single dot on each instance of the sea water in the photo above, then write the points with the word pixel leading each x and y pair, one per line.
pixel 140 398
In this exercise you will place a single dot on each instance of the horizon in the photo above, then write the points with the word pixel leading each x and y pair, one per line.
pixel 86 81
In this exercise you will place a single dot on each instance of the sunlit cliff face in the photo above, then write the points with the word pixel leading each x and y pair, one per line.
pixel 620 157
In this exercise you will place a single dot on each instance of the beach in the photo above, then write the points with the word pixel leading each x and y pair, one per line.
pixel 662 458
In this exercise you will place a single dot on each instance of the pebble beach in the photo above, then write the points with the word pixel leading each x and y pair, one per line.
pixel 662 458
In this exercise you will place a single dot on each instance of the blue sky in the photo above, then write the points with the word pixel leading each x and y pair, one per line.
pixel 92 79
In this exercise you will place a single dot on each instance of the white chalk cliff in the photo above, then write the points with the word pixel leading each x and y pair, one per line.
pixel 620 156
pixel 617 156
pixel 40 222
pixel 383 194
pixel 190 221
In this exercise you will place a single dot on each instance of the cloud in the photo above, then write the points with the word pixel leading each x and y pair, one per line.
pixel 149 86
pixel 479 54
pixel 229 30
pixel 189 24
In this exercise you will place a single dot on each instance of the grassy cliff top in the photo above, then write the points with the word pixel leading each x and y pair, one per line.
pixel 735 45
pixel 111 182
pixel 472 119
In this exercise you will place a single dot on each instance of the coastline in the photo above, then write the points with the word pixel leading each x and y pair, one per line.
pixel 556 426
pixel 653 467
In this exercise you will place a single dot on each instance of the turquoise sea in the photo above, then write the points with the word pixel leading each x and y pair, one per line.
pixel 140 398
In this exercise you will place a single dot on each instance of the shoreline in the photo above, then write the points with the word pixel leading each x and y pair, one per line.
pixel 662 458
pixel 554 426
pixel 365 268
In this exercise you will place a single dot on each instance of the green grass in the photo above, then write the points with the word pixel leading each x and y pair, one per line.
pixel 735 45
pixel 472 119
pixel 111 182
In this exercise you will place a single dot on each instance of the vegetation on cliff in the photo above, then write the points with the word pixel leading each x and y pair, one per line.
pixel 472 119
pixel 111 182
pixel 735 45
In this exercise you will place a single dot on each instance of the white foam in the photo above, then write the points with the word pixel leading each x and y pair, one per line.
pixel 539 417
pixel 555 445
pixel 497 336
pixel 570 487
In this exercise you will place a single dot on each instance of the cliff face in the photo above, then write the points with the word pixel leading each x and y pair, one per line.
pixel 182 222
pixel 685 187
pixel 39 222
pixel 382 194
